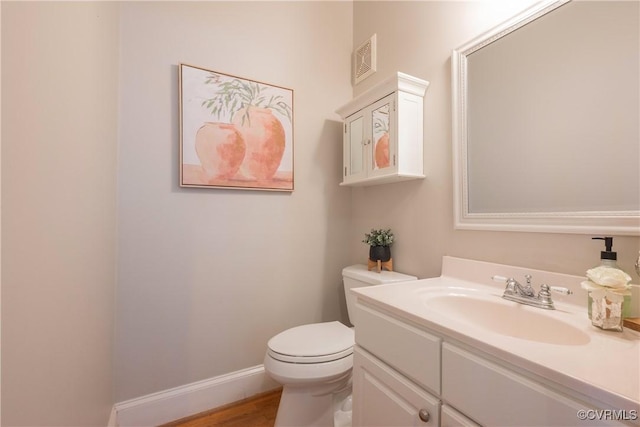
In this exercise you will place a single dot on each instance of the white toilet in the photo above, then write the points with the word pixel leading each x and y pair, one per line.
pixel 313 362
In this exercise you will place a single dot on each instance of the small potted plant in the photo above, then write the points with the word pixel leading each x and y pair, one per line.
pixel 379 242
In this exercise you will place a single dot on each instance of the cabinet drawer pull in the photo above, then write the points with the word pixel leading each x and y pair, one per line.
pixel 424 415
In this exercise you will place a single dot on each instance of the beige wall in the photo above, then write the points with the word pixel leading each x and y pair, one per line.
pixel 207 276
pixel 417 38
pixel 59 87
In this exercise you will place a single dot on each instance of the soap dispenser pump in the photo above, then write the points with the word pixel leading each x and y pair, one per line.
pixel 608 257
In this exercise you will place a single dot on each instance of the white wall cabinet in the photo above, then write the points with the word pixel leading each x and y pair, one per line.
pixel 383 132
pixel 402 371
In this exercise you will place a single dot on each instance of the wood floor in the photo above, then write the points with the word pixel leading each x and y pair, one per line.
pixel 257 411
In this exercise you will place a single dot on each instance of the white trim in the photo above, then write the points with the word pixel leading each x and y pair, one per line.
pixel 112 418
pixel 397 82
pixel 179 402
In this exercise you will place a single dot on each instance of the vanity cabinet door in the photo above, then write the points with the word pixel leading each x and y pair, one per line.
pixel 384 398
pixel 449 417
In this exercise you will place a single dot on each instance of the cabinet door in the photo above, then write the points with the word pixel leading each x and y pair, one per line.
pixel 355 147
pixel 451 418
pixel 384 398
pixel 383 142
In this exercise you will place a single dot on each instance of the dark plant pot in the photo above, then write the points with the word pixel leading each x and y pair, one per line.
pixel 380 253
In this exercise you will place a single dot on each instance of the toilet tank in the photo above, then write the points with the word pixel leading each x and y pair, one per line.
pixel 356 276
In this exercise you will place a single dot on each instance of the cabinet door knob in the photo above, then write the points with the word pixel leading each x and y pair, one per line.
pixel 424 415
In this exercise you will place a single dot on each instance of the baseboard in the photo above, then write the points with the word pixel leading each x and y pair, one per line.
pixel 173 404
pixel 112 418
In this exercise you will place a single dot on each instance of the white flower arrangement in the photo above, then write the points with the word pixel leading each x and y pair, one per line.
pixel 609 277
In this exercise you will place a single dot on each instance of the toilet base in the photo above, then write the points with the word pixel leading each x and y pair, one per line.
pixel 312 406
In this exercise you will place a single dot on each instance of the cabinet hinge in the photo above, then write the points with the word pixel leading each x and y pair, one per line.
pixel 394 105
pixel 345 128
pixel 394 160
pixel 345 171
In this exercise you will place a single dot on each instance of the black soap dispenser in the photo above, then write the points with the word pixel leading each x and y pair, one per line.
pixel 608 257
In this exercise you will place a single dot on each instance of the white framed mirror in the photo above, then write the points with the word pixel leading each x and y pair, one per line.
pixel 546 121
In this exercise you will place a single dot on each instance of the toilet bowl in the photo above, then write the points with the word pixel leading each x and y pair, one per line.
pixel 313 362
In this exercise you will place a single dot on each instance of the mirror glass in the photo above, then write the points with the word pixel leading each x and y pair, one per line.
pixel 380 132
pixel 547 121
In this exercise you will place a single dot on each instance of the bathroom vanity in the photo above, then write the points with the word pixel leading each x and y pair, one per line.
pixel 449 351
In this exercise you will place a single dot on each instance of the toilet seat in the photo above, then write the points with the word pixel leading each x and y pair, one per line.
pixel 313 343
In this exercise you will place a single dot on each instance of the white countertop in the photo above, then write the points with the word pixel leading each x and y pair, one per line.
pixel 604 367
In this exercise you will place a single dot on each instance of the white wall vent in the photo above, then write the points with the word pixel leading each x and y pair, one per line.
pixel 364 60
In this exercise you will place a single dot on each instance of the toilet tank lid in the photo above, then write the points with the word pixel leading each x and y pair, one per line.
pixel 360 272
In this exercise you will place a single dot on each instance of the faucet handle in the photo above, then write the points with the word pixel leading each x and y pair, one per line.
pixel 545 296
pixel 528 279
pixel 560 289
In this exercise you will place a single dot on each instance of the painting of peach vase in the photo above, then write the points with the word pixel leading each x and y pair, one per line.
pixel 234 132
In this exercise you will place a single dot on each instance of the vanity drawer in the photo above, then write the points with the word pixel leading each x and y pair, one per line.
pixel 383 397
pixel 493 395
pixel 410 350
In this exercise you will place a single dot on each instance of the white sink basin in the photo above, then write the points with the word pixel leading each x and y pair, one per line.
pixel 506 317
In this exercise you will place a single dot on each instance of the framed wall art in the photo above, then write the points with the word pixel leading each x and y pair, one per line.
pixel 234 132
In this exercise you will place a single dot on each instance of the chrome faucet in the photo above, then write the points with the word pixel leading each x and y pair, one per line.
pixel 515 288
pixel 525 294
